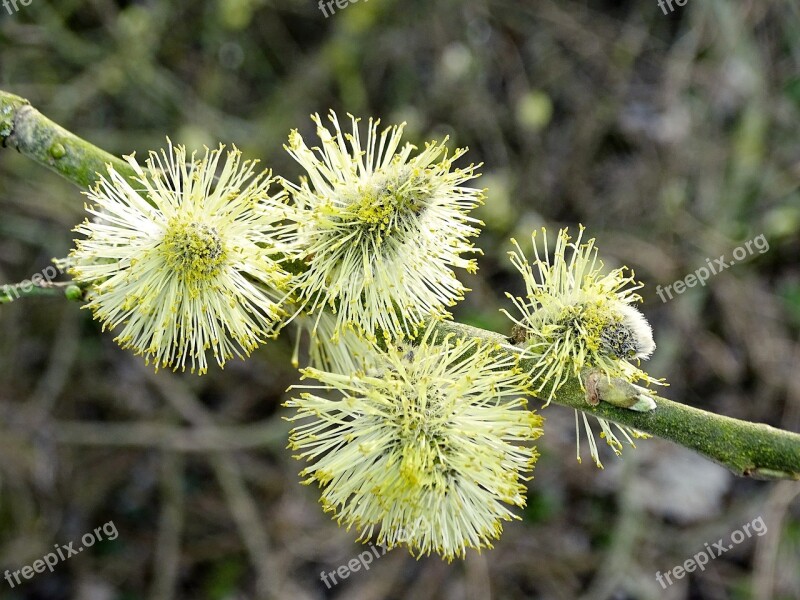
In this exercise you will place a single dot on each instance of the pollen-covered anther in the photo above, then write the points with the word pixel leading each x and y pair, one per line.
pixel 194 250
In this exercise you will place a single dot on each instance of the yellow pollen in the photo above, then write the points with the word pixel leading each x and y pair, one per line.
pixel 194 250
pixel 422 433
pixel 377 202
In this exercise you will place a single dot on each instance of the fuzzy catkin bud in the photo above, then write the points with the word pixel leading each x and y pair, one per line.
pixel 429 444
pixel 186 261
pixel 381 228
pixel 576 318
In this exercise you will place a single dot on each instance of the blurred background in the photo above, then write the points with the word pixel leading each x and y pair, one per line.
pixel 672 137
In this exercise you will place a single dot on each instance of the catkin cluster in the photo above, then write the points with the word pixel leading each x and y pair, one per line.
pixel 421 439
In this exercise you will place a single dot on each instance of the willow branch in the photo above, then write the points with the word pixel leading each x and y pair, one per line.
pixel 28 131
pixel 747 449
pixel 27 289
